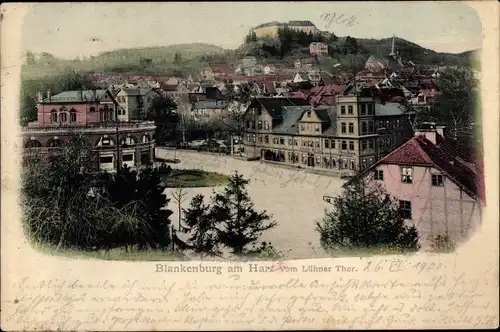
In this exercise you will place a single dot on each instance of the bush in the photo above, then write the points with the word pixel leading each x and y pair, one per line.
pixel 442 243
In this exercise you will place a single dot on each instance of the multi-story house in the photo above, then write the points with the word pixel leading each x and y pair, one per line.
pixel 134 103
pixel 89 113
pixel 341 139
pixel 318 48
pixel 437 190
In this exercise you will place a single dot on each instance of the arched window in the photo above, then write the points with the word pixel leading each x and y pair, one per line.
pixel 53 115
pixel 127 141
pixel 63 117
pixel 33 144
pixel 334 163
pixel 54 143
pixel 146 138
pixel 72 115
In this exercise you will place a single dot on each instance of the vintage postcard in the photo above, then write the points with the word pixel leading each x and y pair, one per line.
pixel 249 166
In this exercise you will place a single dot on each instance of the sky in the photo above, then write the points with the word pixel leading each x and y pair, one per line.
pixel 70 30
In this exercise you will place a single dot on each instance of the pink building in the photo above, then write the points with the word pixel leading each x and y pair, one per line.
pixel 74 108
pixel 317 48
pixel 439 189
pixel 90 113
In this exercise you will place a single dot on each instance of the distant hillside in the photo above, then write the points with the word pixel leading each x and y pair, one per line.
pixel 187 51
pixel 159 60
pixel 342 52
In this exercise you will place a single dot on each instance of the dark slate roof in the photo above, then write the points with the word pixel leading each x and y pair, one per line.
pixel 275 105
pixel 136 91
pixel 74 96
pixel 301 23
pixel 323 114
pixel 291 114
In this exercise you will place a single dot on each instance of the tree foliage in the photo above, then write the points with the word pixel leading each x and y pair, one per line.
pixel 239 224
pixel 365 217
pixel 202 228
pixel 230 221
pixel 163 112
pixel 457 101
pixel 68 204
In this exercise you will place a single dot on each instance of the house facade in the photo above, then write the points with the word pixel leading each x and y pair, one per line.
pixel 318 48
pixel 91 114
pixel 133 103
pixel 340 139
pixel 437 191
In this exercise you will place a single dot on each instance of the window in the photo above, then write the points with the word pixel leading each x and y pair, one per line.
pixel 363 109
pixel 344 145
pixel 53 115
pixel 254 138
pixel 316 127
pixel 378 175
pixel 289 141
pixel 344 163
pixel 437 180
pixel 282 140
pixel 317 143
pixel 266 139
pixel 72 116
pixel 334 164
pixel 363 163
pixel 342 126
pixel 128 157
pixel 405 209
pixel 248 124
pixel 302 127
pixel 92 109
pixel 266 125
pixel 363 145
pixel 351 145
pixel 342 109
pixel 308 114
pixel 63 117
pixel 371 128
pixel 309 127
pixel 105 160
pixel 364 128
pixel 275 140
pixel 352 164
pixel 327 144
pixel 370 109
pixel 351 128
pixel 260 139
pixel 259 125
pixel 350 109
pixel 371 144
pixel 332 145
pixel 406 174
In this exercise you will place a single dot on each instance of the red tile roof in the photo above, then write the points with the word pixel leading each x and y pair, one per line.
pixel 222 68
pixel 419 151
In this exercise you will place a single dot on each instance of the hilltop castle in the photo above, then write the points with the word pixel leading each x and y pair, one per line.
pixel 270 29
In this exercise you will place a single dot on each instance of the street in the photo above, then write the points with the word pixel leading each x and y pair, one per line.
pixel 294 198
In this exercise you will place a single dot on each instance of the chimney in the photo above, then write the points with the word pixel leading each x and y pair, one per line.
pixel 49 95
pixel 440 130
pixel 427 130
pixel 40 97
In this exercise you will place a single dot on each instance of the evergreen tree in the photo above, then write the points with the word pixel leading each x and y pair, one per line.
pixel 365 216
pixel 202 229
pixel 163 112
pixel 239 225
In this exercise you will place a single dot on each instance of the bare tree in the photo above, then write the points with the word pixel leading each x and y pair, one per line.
pixel 179 195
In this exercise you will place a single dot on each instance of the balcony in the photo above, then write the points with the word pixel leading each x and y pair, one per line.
pixel 95 127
